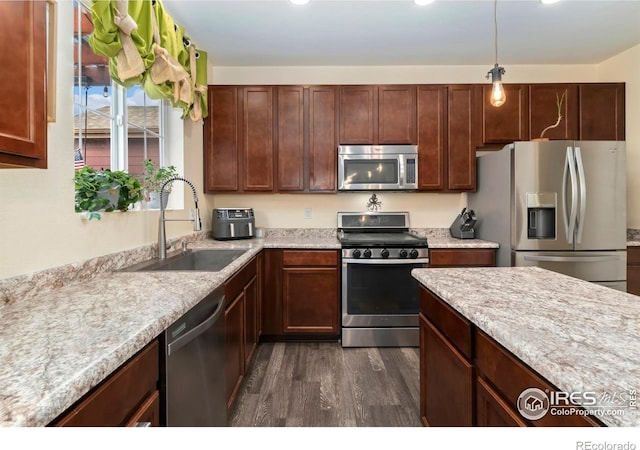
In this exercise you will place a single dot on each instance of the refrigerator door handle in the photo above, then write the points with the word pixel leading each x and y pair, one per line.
pixel 583 195
pixel 569 222
pixel 572 258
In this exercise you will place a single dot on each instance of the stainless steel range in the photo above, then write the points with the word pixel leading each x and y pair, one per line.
pixel 380 300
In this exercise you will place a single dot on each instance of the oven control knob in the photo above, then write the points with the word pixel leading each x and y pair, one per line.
pixel 384 253
pixel 367 253
pixel 356 253
pixel 414 253
pixel 403 253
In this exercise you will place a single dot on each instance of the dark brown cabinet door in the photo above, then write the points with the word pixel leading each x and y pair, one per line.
pixel 461 135
pixel 272 293
pixel 543 111
pixel 309 300
pixel 358 114
pixel 251 320
pixel 23 93
pixel 397 114
pixel 221 140
pixel 601 111
pixel 290 138
pixel 633 270
pixel 257 139
pixel 432 137
pixel 492 411
pixel 509 122
pixel 446 381
pixel 323 142
pixel 234 361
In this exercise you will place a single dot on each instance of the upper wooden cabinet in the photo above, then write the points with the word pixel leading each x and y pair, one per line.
pixel 447 117
pixel 509 122
pixel 290 138
pixel 323 138
pixel 432 137
pixel 307 138
pixel 221 136
pixel 239 139
pixel 543 111
pixel 601 111
pixel 23 93
pixel 384 114
pixel 461 137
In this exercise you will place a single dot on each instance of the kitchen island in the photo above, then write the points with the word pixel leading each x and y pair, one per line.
pixel 579 337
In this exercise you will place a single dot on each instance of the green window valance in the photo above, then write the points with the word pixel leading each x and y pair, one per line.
pixel 145 47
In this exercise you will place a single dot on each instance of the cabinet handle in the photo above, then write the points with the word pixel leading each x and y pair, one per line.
pixel 142 424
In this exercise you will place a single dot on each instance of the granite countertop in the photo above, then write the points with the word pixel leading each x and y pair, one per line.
pixel 61 342
pixel 578 335
pixel 451 242
pixel 633 243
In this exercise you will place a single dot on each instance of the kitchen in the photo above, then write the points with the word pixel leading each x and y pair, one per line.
pixel 70 240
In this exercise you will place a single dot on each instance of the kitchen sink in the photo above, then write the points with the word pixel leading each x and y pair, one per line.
pixel 204 260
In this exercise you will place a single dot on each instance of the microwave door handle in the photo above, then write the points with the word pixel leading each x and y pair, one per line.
pixel 401 169
pixel 570 221
pixel 583 195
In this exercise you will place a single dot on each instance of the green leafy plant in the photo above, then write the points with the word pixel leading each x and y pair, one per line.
pixel 153 178
pixel 94 186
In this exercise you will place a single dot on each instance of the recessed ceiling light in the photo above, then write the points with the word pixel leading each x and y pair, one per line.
pixel 299 2
pixel 548 2
pixel 422 2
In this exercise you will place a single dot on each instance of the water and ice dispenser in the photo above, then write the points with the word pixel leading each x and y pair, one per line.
pixel 541 215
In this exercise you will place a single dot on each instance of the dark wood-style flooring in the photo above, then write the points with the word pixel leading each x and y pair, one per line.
pixel 323 384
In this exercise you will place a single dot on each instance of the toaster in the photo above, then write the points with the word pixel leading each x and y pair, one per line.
pixel 232 223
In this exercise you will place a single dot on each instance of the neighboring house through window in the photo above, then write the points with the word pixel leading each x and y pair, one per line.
pixel 115 128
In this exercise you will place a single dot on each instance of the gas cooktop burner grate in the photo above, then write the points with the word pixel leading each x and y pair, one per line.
pixel 382 239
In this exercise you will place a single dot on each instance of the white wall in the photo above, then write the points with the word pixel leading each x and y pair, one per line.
pixel 626 67
pixel 39 228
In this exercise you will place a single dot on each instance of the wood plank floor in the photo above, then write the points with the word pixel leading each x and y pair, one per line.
pixel 323 384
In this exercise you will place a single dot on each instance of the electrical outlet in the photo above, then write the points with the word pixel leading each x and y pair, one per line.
pixel 307 213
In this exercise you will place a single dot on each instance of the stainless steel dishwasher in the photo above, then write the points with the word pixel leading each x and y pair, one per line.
pixel 193 379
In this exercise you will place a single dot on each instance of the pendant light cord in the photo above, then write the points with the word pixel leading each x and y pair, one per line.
pixel 495 28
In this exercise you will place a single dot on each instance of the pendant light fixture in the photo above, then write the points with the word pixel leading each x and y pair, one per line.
pixel 498 96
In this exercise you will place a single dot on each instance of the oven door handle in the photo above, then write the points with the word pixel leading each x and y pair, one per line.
pixel 385 261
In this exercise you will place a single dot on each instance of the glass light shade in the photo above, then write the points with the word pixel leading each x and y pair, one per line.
pixel 299 2
pixel 498 95
pixel 422 2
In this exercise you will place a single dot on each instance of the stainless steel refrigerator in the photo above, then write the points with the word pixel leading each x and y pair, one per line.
pixel 560 205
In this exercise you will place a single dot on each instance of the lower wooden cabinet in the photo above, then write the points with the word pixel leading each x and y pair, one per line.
pixel 459 257
pixel 446 380
pixel 301 294
pixel 468 379
pixel 241 322
pixel 633 270
pixel 128 397
pixel 492 410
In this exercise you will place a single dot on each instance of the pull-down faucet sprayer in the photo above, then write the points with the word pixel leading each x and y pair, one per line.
pixel 197 224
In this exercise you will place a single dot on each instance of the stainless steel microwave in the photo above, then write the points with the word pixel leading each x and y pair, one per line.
pixel 377 167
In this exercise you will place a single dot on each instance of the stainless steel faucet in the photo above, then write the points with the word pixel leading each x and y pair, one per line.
pixel 197 224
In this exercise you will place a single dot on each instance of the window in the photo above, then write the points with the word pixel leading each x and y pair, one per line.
pixel 115 128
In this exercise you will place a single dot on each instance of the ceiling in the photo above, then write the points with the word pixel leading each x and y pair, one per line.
pixel 379 33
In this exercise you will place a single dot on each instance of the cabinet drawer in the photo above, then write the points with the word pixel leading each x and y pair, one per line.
pixel 309 258
pixel 510 377
pixel 239 280
pixel 457 329
pixel 458 257
pixel 633 256
pixel 121 396
pixel 492 410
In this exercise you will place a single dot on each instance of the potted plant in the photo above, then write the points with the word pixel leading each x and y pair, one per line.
pixel 152 180
pixel 105 190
